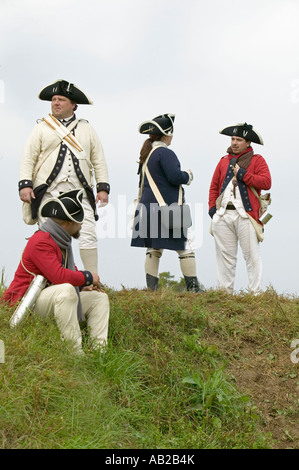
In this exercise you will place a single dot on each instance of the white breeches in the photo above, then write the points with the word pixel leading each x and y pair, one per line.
pixel 88 234
pixel 61 302
pixel 229 230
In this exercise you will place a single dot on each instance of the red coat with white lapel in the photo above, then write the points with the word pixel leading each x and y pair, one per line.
pixel 257 175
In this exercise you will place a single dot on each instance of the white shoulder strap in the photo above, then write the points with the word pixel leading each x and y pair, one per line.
pixel 155 189
pixel 56 145
pixel 254 191
pixel 143 171
pixel 64 133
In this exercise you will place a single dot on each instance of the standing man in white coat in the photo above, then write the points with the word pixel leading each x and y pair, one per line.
pixel 61 154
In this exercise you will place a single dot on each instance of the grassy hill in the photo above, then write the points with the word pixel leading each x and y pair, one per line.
pixel 182 370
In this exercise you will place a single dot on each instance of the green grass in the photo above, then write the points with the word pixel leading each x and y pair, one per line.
pixel 167 379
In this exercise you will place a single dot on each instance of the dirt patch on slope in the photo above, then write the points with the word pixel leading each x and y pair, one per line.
pixel 257 345
pixel 273 386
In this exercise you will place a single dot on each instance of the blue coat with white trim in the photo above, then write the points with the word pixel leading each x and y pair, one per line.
pixel 165 169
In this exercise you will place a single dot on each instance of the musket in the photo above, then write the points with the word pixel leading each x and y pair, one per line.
pixel 29 299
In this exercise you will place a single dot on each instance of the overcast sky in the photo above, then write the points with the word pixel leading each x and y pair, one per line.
pixel 213 64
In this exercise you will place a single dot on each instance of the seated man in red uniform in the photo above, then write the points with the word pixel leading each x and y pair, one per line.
pixel 71 295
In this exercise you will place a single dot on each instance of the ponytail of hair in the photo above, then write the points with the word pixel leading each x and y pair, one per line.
pixel 147 147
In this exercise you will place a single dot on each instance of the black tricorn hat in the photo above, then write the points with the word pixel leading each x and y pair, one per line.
pixel 160 125
pixel 67 206
pixel 245 131
pixel 64 88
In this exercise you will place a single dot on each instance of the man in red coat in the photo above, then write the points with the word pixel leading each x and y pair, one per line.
pixel 232 204
pixel 71 295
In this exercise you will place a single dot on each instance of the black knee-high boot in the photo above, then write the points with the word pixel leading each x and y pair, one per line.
pixel 152 282
pixel 192 284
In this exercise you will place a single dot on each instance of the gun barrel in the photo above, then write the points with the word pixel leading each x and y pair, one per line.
pixel 29 299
